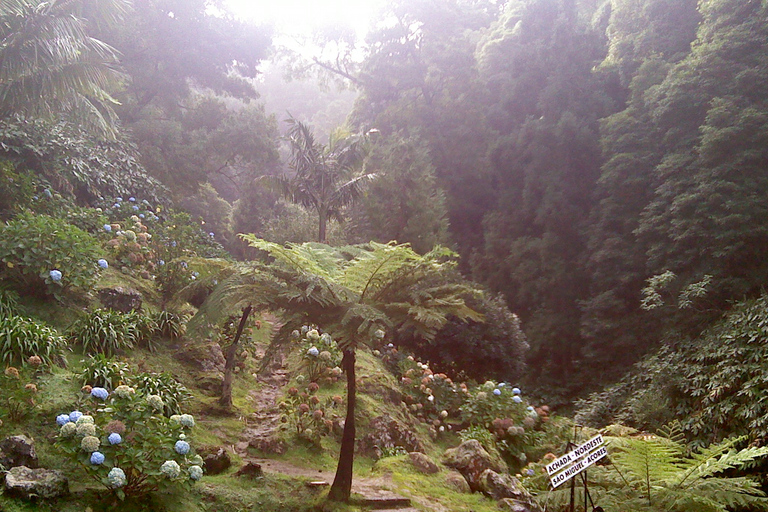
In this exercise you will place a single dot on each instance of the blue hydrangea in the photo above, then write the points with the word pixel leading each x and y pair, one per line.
pixel 516 391
pixel 313 351
pixel 211 235
pixel 497 392
pixel 103 263
pixel 530 472
pixel 116 205
pixel 55 275
pixel 135 208
pixel 75 415
pixel 530 408
pixel 62 419
pixel 132 199
pixel 118 199
pixel 97 458
pixel 116 477
pixel 517 399
pixel 501 384
pixel 47 193
pixel 107 228
pixel 99 393
pixel 173 243
pixel 181 447
pixel 115 438
pixel 161 262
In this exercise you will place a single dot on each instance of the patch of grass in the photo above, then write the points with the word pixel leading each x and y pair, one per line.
pixel 430 489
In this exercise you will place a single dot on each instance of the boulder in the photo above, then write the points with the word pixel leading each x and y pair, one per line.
pixel 269 444
pixel 121 299
pixel 204 355
pixel 507 489
pixel 471 459
pixel 250 470
pixel 216 461
pixel 457 481
pixel 513 505
pixel 28 484
pixel 18 451
pixel 386 432
pixel 423 463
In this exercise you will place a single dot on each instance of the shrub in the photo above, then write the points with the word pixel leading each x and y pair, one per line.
pixel 307 415
pixel 171 325
pixel 22 338
pixel 105 332
pixel 17 392
pixel 173 394
pixel 47 256
pixel 102 372
pixel 129 446
pixel 493 401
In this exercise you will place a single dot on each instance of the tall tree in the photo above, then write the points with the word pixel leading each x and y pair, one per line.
pixel 324 176
pixel 381 287
pixel 404 202
pixel 51 66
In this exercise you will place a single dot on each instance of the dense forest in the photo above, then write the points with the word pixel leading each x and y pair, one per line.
pixel 598 165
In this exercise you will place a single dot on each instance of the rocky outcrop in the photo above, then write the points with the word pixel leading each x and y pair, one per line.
pixel 250 470
pixel 471 459
pixel 18 451
pixel 387 433
pixel 121 299
pixel 31 484
pixel 206 356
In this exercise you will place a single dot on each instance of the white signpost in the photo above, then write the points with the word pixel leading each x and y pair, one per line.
pixel 577 460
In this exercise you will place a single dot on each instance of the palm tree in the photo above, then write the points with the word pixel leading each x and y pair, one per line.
pixel 353 294
pixel 323 178
pixel 51 68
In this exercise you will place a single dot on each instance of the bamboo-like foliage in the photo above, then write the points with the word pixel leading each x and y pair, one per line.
pixel 51 67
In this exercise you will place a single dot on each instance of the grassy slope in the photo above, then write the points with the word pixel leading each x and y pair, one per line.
pixel 60 392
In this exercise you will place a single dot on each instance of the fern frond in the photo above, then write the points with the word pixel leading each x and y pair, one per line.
pixel 313 259
pixel 717 459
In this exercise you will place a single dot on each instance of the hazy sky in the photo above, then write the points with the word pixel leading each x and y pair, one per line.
pixel 293 17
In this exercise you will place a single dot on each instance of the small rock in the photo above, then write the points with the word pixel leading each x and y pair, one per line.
pixel 269 445
pixel 216 461
pixel 423 463
pixel 457 481
pixel 250 470
pixel 120 299
pixel 18 451
pixel 28 484
pixel 205 355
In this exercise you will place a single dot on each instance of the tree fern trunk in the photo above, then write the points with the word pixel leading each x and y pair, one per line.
pixel 323 226
pixel 342 482
pixel 229 366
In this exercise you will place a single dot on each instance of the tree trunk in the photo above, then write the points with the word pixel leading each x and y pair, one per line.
pixel 342 482
pixel 323 222
pixel 229 366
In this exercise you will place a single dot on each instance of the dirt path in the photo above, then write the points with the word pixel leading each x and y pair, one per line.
pixel 260 430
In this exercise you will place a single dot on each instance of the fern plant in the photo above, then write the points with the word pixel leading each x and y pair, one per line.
pixel 658 474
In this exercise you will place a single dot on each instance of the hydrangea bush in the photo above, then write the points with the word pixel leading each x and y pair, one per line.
pixel 320 356
pixel 128 444
pixel 47 256
pixel 309 416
